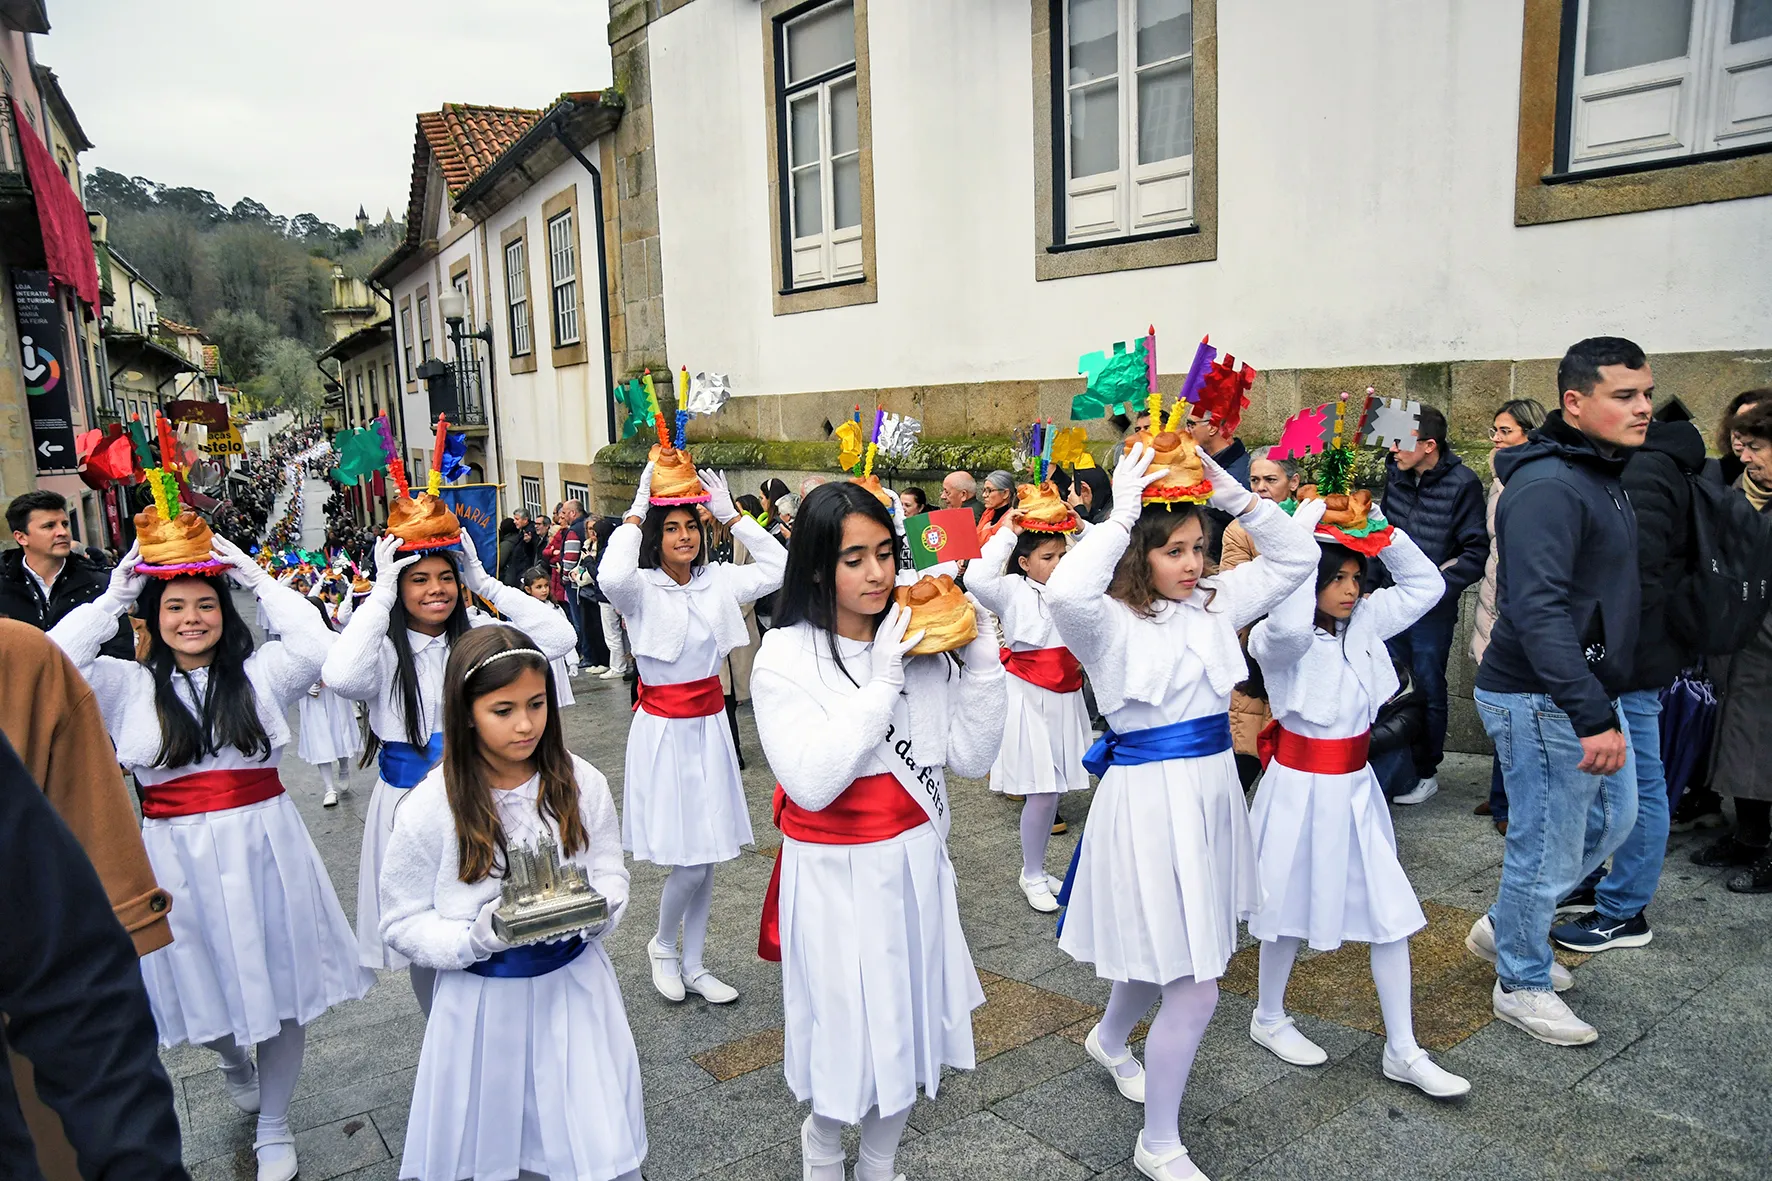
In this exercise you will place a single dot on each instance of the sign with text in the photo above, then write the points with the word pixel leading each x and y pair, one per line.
pixel 476 507
pixel 46 369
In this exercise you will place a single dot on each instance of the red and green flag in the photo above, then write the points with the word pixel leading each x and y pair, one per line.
pixel 945 535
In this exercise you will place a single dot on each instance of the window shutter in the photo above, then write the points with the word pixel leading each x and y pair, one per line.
pixel 1635 82
pixel 1743 79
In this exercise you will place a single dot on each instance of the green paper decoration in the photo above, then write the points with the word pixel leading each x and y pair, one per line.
pixel 640 408
pixel 1117 383
pixel 360 453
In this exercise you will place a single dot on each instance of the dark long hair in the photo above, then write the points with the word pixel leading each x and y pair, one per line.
pixel 1329 565
pixel 1132 583
pixel 405 672
pixel 652 535
pixel 809 584
pixel 1025 545
pixel 479 837
pixel 773 489
pixel 228 705
pixel 1101 493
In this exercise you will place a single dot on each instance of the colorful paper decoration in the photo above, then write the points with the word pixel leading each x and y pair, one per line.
pixel 657 419
pixel 1116 381
pixel 1302 434
pixel 897 435
pixel 1070 449
pixel 138 437
pixel 638 406
pixel 360 454
pixel 1204 355
pixel 849 444
pixel 1391 423
pixel 396 465
pixel 708 393
pixel 1224 392
pixel 455 459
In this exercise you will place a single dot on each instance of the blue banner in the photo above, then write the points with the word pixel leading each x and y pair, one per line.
pixel 476 507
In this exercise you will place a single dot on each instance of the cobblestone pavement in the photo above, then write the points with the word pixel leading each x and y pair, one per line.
pixel 1678 1086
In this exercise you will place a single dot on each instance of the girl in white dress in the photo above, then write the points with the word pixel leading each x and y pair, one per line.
pixel 260 946
pixel 1166 866
pixel 878 987
pixel 1325 851
pixel 528 1066
pixel 537 585
pixel 683 803
pixel 1048 729
pixel 329 730
pixel 391 656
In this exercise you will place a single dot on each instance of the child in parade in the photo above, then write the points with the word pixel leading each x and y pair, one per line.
pixel 1048 722
pixel 538 586
pixel 1166 866
pixel 528 1062
pixel 329 730
pixel 260 945
pixel 877 982
pixel 1326 853
pixel 391 656
pixel 683 803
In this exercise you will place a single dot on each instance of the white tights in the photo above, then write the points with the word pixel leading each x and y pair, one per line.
pixel 279 1065
pixel 1390 972
pixel 1169 1048
pixel 688 895
pixel 1036 832
pixel 878 1158
pixel 344 775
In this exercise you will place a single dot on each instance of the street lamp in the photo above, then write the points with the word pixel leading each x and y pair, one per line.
pixel 454 307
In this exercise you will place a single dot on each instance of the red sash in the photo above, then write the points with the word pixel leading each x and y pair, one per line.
pixel 1052 669
pixel 1318 756
pixel 873 808
pixel 685 699
pixel 209 791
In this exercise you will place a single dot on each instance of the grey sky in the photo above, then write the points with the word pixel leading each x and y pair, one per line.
pixel 306 107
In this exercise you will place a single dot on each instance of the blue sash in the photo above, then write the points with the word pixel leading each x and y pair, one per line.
pixel 532 959
pixel 404 765
pixel 1192 738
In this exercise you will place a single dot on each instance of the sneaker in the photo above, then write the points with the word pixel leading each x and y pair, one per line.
pixel 1481 943
pixel 1757 879
pixel 614 674
pixel 1593 931
pixel 242 1085
pixel 1171 1166
pixel 1579 900
pixel 709 987
pixel 1697 809
pixel 596 670
pixel 1422 792
pixel 1725 852
pixel 667 976
pixel 1287 1044
pixel 1039 893
pixel 1543 1015
pixel 1422 1073
pixel 1131 1086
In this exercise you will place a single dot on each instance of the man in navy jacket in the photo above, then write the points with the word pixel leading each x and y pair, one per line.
pixel 1432 496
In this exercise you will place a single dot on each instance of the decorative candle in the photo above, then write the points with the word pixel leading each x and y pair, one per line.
pixel 879 417
pixel 867 467
pixel 434 480
pixel 1046 449
pixel 682 425
pixel 1150 358
pixel 168 445
pixel 1204 355
pixel 664 432
pixel 683 387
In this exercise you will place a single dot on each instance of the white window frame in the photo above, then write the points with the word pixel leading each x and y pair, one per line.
pixel 572 490
pixel 1671 109
pixel 406 338
pixel 423 304
pixel 517 297
pixel 828 255
pixel 563 279
pixel 1134 198
pixel 530 489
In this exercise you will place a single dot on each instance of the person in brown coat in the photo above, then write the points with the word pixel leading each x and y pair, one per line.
pixel 48 714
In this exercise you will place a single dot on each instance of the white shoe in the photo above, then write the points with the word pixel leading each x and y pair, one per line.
pixel 613 674
pixel 596 669
pixel 1542 1014
pixel 1130 1086
pixel 1422 1073
pixel 667 977
pixel 276 1159
pixel 816 1168
pixel 705 985
pixel 330 799
pixel 1056 885
pixel 1287 1044
pixel 1171 1166
pixel 1423 791
pixel 1481 943
pixel 1039 894
pixel 244 1093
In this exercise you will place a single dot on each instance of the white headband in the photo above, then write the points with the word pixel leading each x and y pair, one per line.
pixel 501 655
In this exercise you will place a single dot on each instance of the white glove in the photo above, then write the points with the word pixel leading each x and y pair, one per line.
pixel 1309 513
pixel 248 572
pixel 481 941
pixel 982 652
pixel 890 645
pixel 126 585
pixel 388 564
pixel 1228 496
pixel 642 494
pixel 473 574
pixel 719 496
pixel 1132 475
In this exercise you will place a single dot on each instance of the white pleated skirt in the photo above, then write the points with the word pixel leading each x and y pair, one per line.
pixel 378 829
pixel 1167 871
pixel 1044 740
pixel 329 729
pixel 877 984
pixel 1328 861
pixel 562 683
pixel 258 936
pixel 538 1074
pixel 682 799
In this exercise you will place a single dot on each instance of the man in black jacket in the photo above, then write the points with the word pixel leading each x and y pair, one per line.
pixel 1655 478
pixel 1567 610
pixel 1432 496
pixel 44 579
pixel 518 549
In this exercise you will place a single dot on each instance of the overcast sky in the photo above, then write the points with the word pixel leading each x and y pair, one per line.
pixel 305 107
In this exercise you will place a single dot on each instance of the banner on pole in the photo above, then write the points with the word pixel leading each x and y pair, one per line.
pixel 476 507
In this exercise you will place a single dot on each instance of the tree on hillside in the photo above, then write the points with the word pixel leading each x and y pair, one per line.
pixel 287 379
pixel 242 338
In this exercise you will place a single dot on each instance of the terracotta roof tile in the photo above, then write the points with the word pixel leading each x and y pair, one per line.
pixel 465 139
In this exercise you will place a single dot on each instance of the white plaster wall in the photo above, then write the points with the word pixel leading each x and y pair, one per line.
pixel 1366 170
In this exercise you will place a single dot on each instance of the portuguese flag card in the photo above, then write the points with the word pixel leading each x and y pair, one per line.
pixel 945 535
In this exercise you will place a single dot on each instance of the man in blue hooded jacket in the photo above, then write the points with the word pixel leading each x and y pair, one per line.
pixel 1568 605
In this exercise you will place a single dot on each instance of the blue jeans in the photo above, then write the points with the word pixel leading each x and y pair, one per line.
pixel 1636 865
pixel 1424 648
pixel 1562 824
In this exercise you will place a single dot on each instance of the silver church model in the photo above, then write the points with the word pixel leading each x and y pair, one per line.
pixel 543 897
